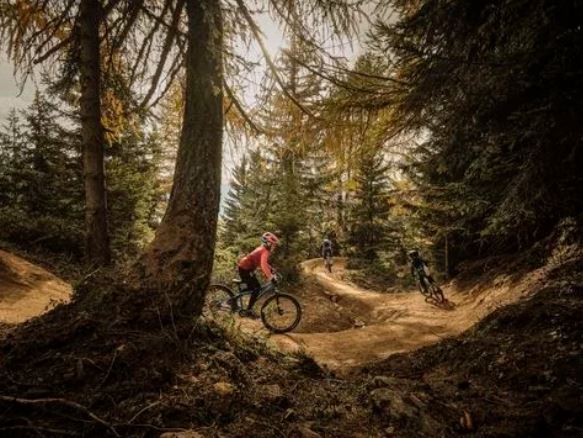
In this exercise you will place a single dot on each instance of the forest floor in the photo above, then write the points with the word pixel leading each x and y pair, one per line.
pixel 505 359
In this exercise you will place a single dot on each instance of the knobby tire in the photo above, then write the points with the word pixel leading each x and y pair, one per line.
pixel 281 297
pixel 218 295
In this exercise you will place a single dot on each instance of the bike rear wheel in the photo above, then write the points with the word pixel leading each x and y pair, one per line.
pixel 219 302
pixel 281 313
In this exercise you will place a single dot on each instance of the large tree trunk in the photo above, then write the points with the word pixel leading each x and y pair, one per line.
pixel 97 237
pixel 179 261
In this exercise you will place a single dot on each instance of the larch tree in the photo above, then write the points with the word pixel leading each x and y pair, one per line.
pixel 96 229
pixel 68 34
pixel 183 36
pixel 179 260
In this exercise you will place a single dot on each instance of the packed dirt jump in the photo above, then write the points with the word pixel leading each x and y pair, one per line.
pixel 27 290
pixel 389 323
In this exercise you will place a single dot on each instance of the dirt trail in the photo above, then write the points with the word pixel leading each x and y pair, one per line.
pixel 27 290
pixel 343 326
pixel 397 322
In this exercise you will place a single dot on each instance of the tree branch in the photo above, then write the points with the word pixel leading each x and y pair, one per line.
pixel 170 77
pixel 147 41
pixel 241 110
pixel 168 43
pixel 72 404
pixel 272 67
pixel 51 51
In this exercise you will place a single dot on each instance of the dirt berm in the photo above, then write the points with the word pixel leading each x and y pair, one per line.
pixel 382 324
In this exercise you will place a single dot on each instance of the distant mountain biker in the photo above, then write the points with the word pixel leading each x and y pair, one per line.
pixel 259 257
pixel 428 286
pixel 326 248
pixel 419 266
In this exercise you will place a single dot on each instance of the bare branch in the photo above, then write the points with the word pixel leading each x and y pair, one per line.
pixel 147 41
pixel 52 51
pixel 41 401
pixel 168 43
pixel 272 67
pixel 161 21
pixel 170 77
pixel 241 110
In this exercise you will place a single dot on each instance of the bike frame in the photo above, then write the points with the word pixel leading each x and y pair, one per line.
pixel 266 289
pixel 423 280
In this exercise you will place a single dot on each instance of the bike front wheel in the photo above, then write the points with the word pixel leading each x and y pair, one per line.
pixel 219 302
pixel 281 313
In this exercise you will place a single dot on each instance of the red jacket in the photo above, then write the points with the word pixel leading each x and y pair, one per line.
pixel 258 257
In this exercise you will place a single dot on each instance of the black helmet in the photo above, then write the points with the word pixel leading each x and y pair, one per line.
pixel 413 254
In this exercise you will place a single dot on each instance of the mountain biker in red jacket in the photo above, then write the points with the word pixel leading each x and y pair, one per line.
pixel 259 257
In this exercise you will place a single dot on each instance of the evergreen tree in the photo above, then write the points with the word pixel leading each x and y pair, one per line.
pixel 320 195
pixel 233 224
pixel 254 203
pixel 134 190
pixel 480 83
pixel 52 163
pixel 369 217
pixel 12 151
pixel 42 179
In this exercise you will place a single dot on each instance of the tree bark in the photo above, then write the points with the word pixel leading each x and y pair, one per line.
pixel 97 249
pixel 179 261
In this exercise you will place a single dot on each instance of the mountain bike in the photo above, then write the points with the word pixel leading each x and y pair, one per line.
pixel 429 288
pixel 280 312
pixel 328 262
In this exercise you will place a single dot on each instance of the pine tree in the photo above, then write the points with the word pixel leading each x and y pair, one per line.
pixel 256 202
pixel 320 195
pixel 369 216
pixel 479 81
pixel 12 151
pixel 134 190
pixel 42 178
pixel 53 161
pixel 233 223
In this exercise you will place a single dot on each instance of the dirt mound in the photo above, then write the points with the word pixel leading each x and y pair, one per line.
pixel 325 312
pixel 27 290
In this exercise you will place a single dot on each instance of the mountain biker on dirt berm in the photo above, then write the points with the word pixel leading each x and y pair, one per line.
pixel 419 265
pixel 326 248
pixel 259 257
